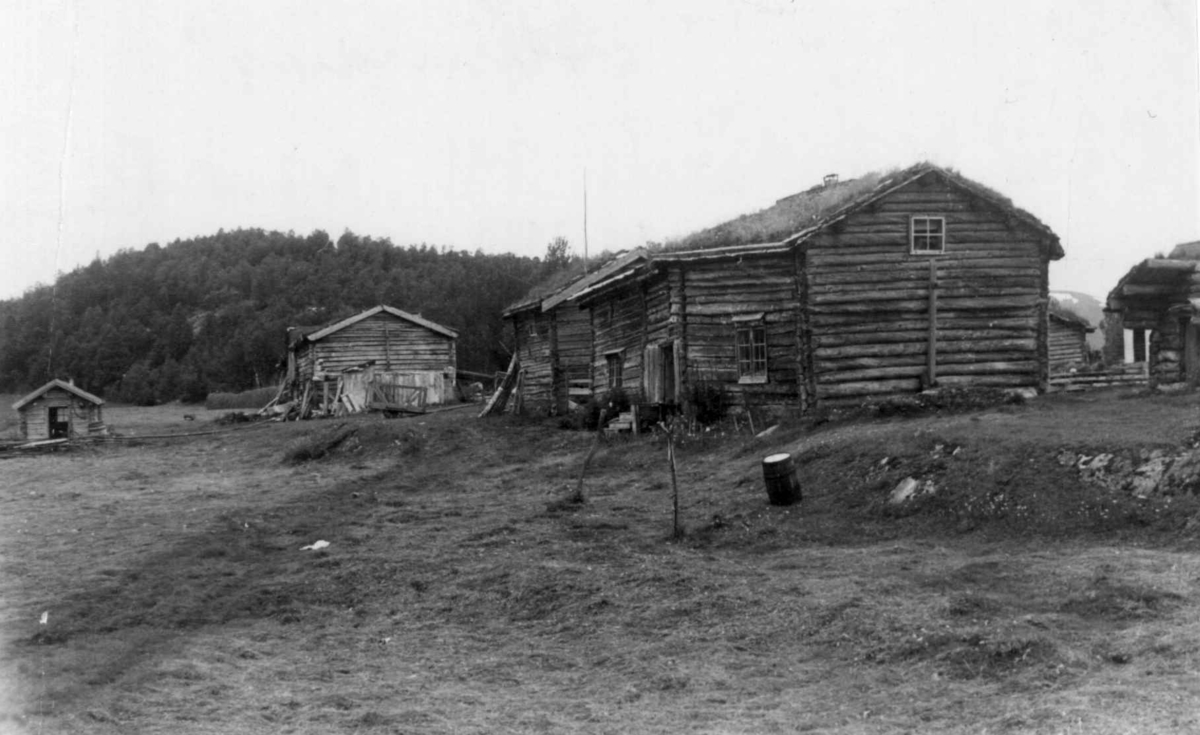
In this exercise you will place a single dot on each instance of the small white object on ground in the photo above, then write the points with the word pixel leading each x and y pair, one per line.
pixel 314 546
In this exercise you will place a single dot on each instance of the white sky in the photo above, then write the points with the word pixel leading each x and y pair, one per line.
pixel 470 124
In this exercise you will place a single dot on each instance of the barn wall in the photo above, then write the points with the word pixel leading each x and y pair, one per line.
pixel 869 298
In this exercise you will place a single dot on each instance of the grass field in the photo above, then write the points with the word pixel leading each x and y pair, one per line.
pixel 462 591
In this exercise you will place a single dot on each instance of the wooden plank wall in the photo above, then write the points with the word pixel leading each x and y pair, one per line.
pixel 394 344
pixel 868 303
pixel 1068 345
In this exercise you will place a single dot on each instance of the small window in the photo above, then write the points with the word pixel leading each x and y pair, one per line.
pixel 614 362
pixel 928 234
pixel 752 353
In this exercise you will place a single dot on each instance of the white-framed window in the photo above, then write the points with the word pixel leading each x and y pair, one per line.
pixel 927 234
pixel 614 362
pixel 751 351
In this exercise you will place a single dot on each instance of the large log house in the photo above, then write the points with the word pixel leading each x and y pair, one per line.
pixel 852 290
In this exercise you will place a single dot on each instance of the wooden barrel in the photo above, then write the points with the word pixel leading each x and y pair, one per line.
pixel 779 474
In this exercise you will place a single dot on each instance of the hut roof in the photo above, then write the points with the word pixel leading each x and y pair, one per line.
pixel 56 383
pixel 338 326
pixel 792 219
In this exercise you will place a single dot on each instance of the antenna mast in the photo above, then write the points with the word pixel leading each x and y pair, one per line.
pixel 585 242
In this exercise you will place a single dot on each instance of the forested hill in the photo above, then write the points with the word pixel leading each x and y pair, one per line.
pixel 211 313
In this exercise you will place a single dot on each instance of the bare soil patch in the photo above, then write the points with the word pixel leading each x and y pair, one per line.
pixel 460 593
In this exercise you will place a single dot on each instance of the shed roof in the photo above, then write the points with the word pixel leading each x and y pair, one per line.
pixel 338 326
pixel 56 383
pixel 1072 320
pixel 559 288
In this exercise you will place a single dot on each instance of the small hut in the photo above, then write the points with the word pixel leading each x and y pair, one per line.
pixel 59 410
pixel 1068 339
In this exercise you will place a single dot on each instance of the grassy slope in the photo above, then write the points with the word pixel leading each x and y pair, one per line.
pixel 460 595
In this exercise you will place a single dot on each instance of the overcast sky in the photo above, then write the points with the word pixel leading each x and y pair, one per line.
pixel 471 124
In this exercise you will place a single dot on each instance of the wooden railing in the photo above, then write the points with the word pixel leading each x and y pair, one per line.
pixel 1134 373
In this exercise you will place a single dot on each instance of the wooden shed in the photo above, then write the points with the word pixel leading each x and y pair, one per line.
pixel 59 410
pixel 1157 307
pixel 1068 340
pixel 849 291
pixel 382 346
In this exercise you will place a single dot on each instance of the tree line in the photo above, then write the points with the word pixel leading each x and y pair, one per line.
pixel 211 313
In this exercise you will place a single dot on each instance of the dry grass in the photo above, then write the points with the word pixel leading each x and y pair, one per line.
pixel 256 398
pixel 458 594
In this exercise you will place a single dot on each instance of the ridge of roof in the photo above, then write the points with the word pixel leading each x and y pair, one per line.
pixel 56 383
pixel 324 332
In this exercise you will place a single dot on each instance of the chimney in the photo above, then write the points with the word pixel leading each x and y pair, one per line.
pixel 830 180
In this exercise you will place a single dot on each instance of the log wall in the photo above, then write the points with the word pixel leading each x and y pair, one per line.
pixel 717 294
pixel 869 299
pixel 619 327
pixel 532 336
pixel 574 351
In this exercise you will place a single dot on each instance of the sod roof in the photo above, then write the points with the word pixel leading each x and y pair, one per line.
pixel 792 218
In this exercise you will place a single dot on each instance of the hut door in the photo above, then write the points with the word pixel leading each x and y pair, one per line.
pixel 60 423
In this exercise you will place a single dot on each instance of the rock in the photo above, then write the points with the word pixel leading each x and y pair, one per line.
pixel 910 488
pixel 905 490
pixel 1170 388
pixel 1147 477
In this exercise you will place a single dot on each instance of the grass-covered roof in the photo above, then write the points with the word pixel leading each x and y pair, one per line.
pixel 809 210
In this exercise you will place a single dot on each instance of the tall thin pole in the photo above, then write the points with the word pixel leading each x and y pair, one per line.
pixel 585 220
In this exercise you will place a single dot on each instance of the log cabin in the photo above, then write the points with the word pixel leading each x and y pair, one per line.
pixel 383 345
pixel 552 336
pixel 851 291
pixel 59 410
pixel 1157 307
